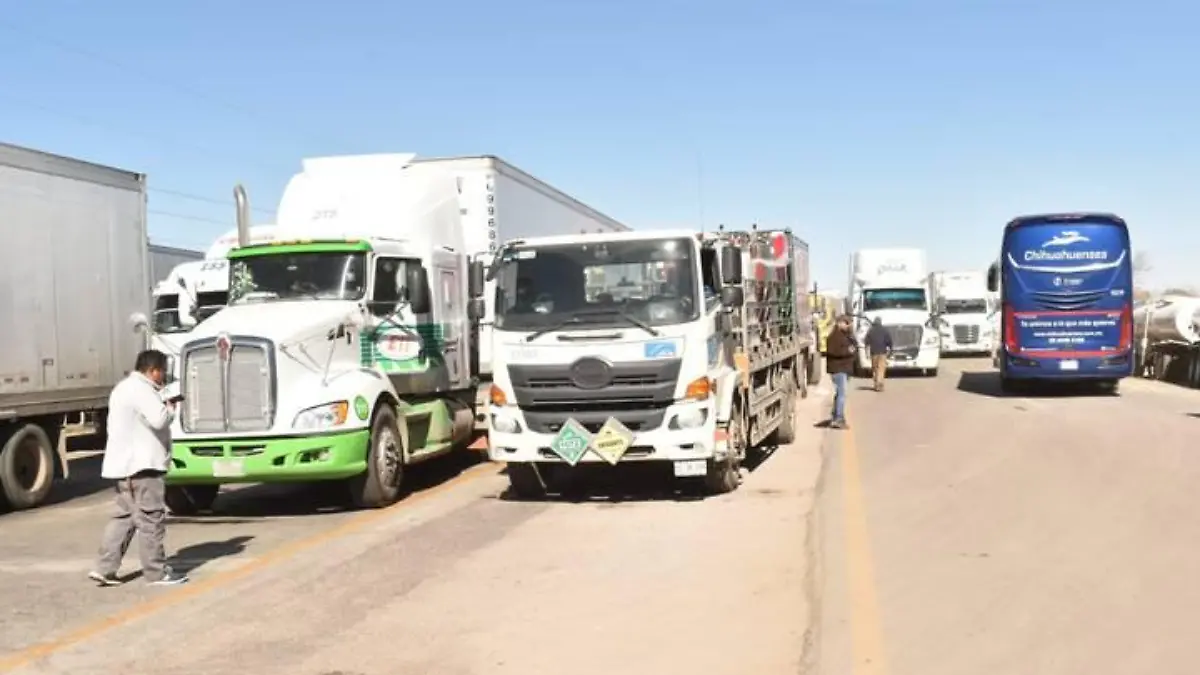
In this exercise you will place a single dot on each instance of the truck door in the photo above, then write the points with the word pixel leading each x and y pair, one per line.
pixel 452 317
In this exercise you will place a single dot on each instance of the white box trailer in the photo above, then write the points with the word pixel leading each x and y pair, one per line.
pixel 76 271
pixel 499 203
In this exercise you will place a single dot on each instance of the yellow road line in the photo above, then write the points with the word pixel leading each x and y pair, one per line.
pixel 198 588
pixel 866 633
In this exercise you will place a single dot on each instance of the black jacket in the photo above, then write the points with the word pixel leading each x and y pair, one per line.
pixel 879 339
pixel 839 352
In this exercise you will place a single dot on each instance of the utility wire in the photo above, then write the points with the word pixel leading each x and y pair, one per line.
pixel 184 216
pixel 206 200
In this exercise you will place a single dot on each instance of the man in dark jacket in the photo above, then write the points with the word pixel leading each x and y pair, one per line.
pixel 840 350
pixel 879 343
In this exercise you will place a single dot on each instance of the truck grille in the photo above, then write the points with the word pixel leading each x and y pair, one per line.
pixel 234 395
pixel 906 337
pixel 966 334
pixel 637 394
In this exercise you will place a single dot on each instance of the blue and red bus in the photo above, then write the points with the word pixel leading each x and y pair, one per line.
pixel 1066 295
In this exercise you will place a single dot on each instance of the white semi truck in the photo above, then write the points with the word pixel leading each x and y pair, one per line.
pixel 892 284
pixel 194 291
pixel 76 271
pixel 350 346
pixel 967 311
pixel 647 347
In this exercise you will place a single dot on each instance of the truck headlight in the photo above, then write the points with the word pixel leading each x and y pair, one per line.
pixel 323 416
pixel 505 424
pixel 690 418
pixel 931 339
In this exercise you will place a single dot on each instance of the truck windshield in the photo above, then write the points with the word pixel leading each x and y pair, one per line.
pixel 166 315
pixel 297 276
pixel 876 299
pixel 652 281
pixel 976 306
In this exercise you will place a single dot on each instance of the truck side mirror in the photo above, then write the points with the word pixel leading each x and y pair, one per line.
pixel 731 266
pixel 475 279
pixel 732 296
pixel 941 304
pixel 476 308
pixel 993 278
pixel 417 290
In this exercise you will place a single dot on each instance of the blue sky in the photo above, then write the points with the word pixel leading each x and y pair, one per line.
pixel 860 124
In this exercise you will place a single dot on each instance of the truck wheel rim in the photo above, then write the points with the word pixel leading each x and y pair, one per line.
pixel 27 464
pixel 387 456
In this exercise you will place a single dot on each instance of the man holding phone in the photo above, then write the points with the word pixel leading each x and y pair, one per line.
pixel 136 457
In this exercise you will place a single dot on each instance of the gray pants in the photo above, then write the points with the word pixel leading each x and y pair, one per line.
pixel 140 510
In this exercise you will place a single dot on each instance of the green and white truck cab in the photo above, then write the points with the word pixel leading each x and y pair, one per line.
pixel 612 348
pixel 345 352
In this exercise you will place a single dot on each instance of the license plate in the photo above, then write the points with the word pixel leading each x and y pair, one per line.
pixel 691 467
pixel 1068 365
pixel 228 468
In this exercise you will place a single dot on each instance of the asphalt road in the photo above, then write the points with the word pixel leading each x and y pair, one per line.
pixel 963 532
pixel 456 579
pixel 950 531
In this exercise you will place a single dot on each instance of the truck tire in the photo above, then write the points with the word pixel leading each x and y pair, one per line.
pixel 723 476
pixel 26 467
pixel 798 378
pixel 379 485
pixel 188 500
pixel 814 371
pixel 524 482
pixel 785 433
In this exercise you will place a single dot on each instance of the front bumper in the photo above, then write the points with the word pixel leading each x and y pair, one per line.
pixel 981 347
pixel 325 456
pixel 927 357
pixel 661 444
pixel 1028 366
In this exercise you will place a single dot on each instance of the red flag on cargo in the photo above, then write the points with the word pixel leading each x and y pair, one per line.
pixel 776 257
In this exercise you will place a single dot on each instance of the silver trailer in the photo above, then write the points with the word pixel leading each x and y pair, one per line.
pixel 75 271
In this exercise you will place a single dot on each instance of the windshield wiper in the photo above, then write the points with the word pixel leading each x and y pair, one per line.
pixel 552 327
pixel 630 318
pixel 577 318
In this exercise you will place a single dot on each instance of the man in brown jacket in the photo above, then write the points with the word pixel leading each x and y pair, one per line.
pixel 840 350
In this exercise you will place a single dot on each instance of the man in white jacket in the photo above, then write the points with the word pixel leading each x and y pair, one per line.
pixel 137 456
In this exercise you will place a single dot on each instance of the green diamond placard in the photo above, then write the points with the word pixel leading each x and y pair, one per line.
pixel 571 442
pixel 611 442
